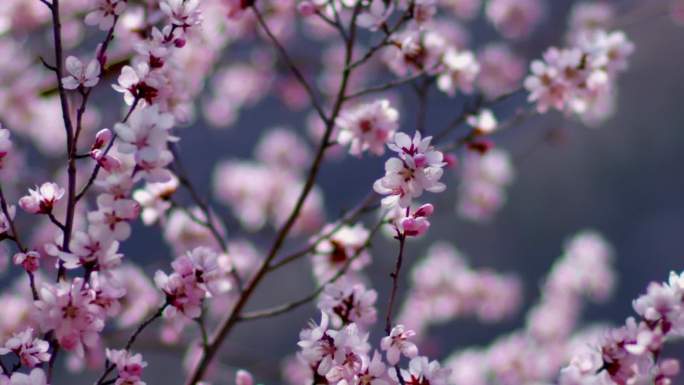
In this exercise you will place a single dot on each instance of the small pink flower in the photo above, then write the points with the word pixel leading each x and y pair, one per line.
pixel 129 366
pixel 41 199
pixel 80 76
pixel 31 351
pixel 397 344
pixel 102 138
pixel 104 13
pixel 30 260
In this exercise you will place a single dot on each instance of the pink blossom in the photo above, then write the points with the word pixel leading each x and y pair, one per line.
pixel 501 70
pixel 368 127
pixel 460 72
pixel 154 199
pixel 5 145
pixel 418 168
pixel 484 122
pixel 423 371
pixel 69 310
pixel 465 9
pixel 514 19
pixel 182 13
pixel 136 83
pixel 93 249
pixel 375 15
pixel 397 344
pixel 346 302
pixel 129 366
pixel 41 199
pixel 336 250
pixel 282 148
pixel 104 13
pixel 29 260
pixel 80 75
pixel 31 351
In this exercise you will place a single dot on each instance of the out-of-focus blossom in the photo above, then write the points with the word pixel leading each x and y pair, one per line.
pixel 501 70
pixel 514 19
pixel 80 75
pixel 337 250
pixel 104 13
pixel 460 72
pixel 368 127
pixel 484 179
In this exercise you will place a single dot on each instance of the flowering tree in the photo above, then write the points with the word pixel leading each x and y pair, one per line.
pixel 76 293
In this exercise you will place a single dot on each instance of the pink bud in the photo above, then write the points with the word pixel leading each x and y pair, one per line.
pixel 179 43
pixel 102 137
pixel 413 227
pixel 106 161
pixel 243 377
pixel 306 8
pixel 425 210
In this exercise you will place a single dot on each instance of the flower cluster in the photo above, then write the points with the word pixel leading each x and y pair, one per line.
pixel 269 189
pixel 342 356
pixel 194 277
pixel 129 366
pixel 340 248
pixel 632 353
pixel 536 353
pixel 444 287
pixel 580 78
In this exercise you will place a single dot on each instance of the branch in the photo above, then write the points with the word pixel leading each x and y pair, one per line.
pixel 109 367
pixel 227 324
pixel 208 223
pixel 368 204
pixel 284 308
pixel 290 64
pixel 97 167
pixel 386 86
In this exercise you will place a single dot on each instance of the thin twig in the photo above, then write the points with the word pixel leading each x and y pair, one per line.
pixel 367 204
pixel 109 367
pixel 290 64
pixel 284 308
pixel 386 86
pixel 96 169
